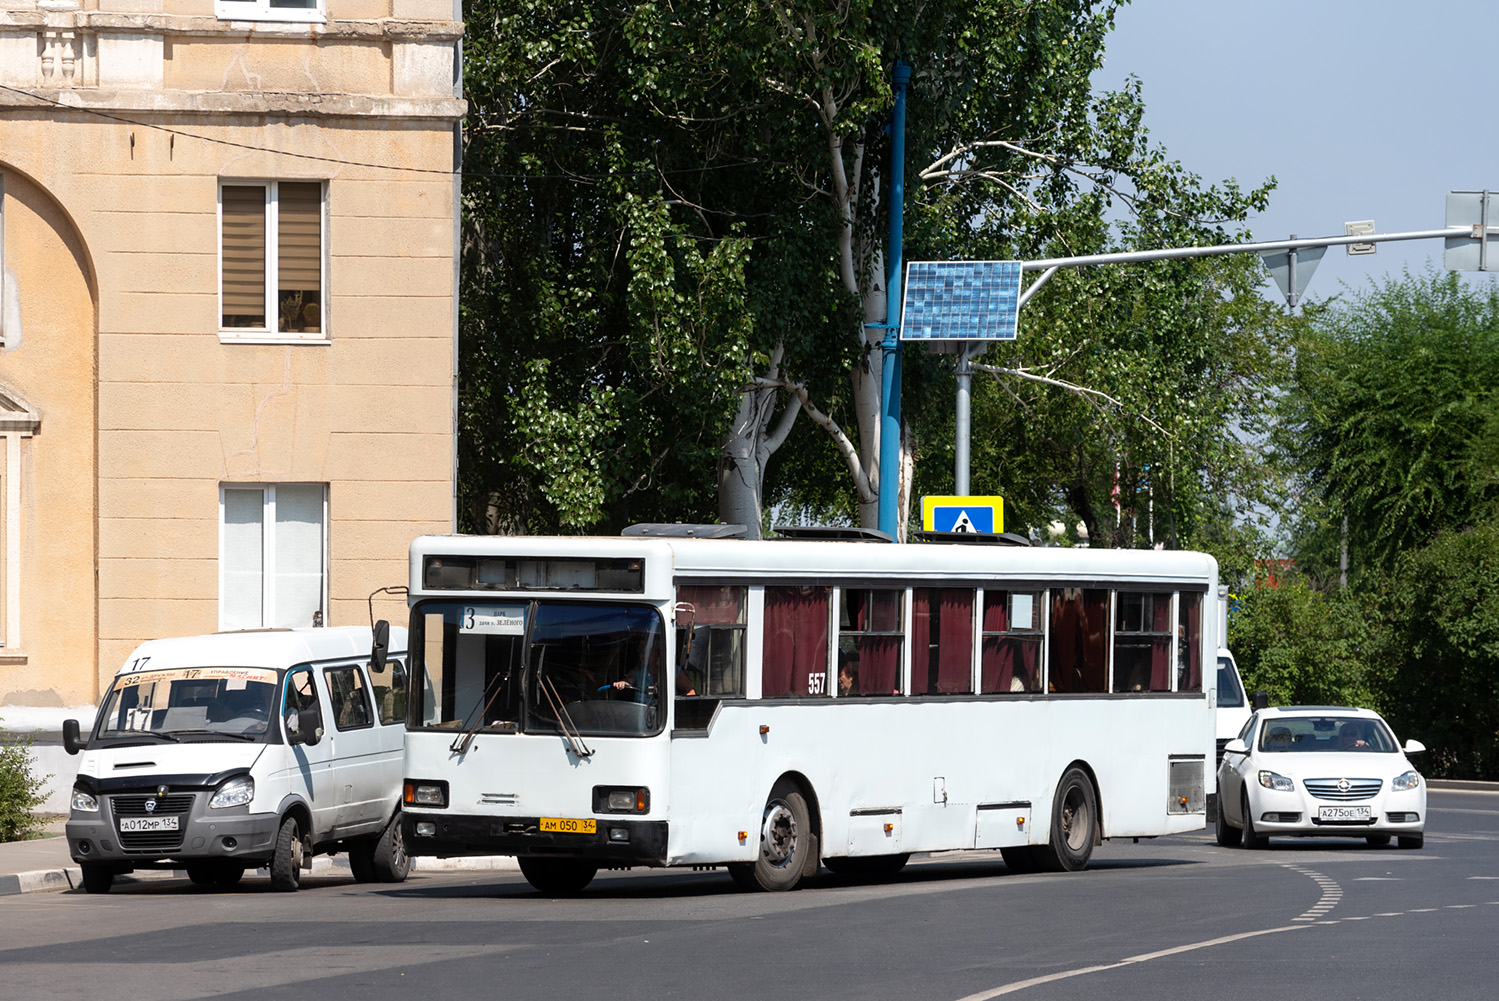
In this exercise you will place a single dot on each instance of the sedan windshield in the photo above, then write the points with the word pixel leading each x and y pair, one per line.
pixel 542 667
pixel 205 702
pixel 1326 733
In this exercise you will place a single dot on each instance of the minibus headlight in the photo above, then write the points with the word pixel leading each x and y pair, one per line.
pixel 1271 780
pixel 1410 780
pixel 84 802
pixel 236 792
pixel 421 793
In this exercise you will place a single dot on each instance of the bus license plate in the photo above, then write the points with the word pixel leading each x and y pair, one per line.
pixel 1343 813
pixel 148 823
pixel 568 825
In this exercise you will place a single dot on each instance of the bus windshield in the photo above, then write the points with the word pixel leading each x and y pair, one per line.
pixel 205 702
pixel 539 667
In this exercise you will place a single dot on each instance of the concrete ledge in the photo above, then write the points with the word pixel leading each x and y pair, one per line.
pixel 71 877
pixel 40 881
pixel 1468 785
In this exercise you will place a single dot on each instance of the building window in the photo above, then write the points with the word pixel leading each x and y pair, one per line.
pixel 269 10
pixel 272 555
pixel 271 259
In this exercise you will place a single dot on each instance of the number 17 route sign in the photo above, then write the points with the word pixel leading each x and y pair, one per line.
pixel 985 515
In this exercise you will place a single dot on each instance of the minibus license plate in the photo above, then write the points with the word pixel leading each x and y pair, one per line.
pixel 1343 813
pixel 148 823
pixel 567 825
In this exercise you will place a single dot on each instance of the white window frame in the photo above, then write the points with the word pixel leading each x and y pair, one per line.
pixel 268 552
pixel 271 333
pixel 261 10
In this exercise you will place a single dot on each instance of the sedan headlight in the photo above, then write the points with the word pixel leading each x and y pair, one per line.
pixel 1410 780
pixel 235 792
pixel 84 802
pixel 1271 780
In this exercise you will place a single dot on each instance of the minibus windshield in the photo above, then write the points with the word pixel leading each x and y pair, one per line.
pixel 539 667
pixel 198 703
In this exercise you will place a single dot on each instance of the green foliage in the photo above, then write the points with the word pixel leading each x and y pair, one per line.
pixel 1392 419
pixel 1306 647
pixel 657 197
pixel 1444 689
pixel 20 790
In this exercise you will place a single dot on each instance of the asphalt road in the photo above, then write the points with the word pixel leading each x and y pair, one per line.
pixel 1158 919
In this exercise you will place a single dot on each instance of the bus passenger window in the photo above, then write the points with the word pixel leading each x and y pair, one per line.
pixel 1142 642
pixel 1078 646
pixel 1011 654
pixel 941 641
pixel 869 641
pixel 795 657
pixel 1189 643
pixel 710 659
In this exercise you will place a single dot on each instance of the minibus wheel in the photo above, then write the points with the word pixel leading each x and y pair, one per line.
pixel 286 862
pixel 391 863
pixel 98 877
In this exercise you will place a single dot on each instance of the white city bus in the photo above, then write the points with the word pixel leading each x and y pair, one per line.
pixel 643 701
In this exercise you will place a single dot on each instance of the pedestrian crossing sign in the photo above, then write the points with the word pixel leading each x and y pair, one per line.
pixel 985 515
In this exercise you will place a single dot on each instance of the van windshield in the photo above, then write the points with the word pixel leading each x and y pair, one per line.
pixel 542 667
pixel 1230 693
pixel 203 703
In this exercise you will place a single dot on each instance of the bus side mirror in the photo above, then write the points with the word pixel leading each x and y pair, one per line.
pixel 72 742
pixel 1261 701
pixel 379 646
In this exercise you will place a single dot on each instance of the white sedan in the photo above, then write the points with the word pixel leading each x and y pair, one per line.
pixel 1319 771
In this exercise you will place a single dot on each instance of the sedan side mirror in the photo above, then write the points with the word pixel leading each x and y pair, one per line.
pixel 72 741
pixel 1411 747
pixel 1235 746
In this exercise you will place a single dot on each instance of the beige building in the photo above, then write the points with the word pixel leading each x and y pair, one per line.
pixel 228 242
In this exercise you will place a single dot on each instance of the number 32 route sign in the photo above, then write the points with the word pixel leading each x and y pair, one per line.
pixel 963 514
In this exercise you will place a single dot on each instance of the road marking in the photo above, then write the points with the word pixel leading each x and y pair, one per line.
pixel 1378 879
pixel 1483 877
pixel 1332 893
pixel 1021 985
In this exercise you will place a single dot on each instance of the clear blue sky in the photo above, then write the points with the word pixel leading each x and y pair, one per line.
pixel 1362 109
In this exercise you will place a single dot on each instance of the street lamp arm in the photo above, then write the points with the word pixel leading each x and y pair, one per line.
pixel 1177 253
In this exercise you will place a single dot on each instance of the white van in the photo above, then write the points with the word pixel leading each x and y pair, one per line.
pixel 238 750
pixel 1233 706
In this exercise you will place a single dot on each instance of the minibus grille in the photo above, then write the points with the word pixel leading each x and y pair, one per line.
pixel 150 841
pixel 1334 789
pixel 135 806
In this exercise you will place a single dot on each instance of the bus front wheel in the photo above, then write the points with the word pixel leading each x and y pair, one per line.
pixel 788 846
pixel 1074 824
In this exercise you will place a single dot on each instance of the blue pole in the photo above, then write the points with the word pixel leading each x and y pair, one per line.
pixel 890 369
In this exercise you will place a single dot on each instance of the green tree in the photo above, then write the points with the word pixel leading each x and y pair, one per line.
pixel 1303 646
pixel 1444 689
pixel 1391 420
pixel 674 217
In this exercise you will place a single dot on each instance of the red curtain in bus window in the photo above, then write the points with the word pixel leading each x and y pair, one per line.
pixel 879 665
pixel 1189 647
pixel 1079 639
pixel 926 642
pixel 711 606
pixel 955 644
pixel 795 660
pixel 1160 644
pixel 997 657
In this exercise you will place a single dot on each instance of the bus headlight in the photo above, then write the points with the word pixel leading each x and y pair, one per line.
pixel 420 792
pixel 1410 780
pixel 621 799
pixel 236 792
pixel 84 802
pixel 1272 780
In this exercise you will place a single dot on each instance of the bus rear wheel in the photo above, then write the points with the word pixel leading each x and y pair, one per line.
pixel 557 877
pixel 1074 823
pixel 788 846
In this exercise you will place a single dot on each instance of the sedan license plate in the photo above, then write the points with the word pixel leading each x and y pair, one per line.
pixel 1336 813
pixel 148 823
pixel 568 825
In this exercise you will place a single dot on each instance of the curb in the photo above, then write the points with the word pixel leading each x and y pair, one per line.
pixel 1468 785
pixel 71 877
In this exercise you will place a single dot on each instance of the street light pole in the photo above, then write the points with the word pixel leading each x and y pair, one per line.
pixel 889 472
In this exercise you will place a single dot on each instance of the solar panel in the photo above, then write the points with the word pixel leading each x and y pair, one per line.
pixel 961 301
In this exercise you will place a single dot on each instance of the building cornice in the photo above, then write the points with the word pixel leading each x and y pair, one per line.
pixel 386 29
pixel 289 104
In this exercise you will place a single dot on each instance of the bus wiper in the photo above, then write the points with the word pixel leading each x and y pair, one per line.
pixel 569 730
pixel 217 733
pixel 460 743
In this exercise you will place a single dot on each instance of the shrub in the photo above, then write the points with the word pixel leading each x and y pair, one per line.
pixel 20 790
